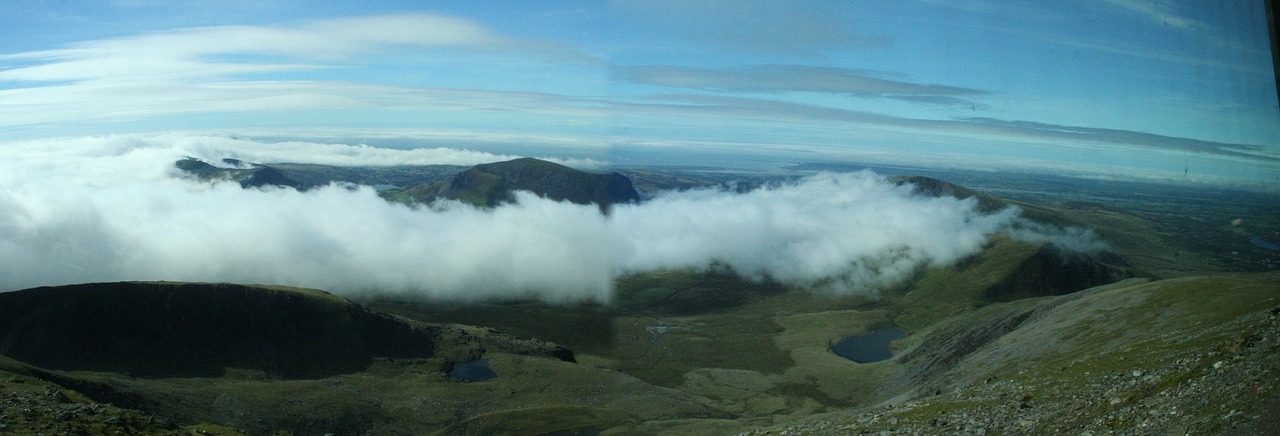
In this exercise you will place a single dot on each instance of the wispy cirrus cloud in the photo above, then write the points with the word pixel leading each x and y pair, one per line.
pixel 797 78
pixel 706 106
pixel 1030 129
pixel 101 101
pixel 222 51
pixel 270 69
pixel 759 26
pixel 210 51
pixel 1158 12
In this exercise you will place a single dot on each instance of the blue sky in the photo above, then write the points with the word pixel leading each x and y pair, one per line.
pixel 1104 88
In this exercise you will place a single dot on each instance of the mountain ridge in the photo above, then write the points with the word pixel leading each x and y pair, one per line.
pixel 492 184
pixel 483 185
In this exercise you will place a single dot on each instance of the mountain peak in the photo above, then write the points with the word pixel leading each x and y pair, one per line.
pixel 495 183
pixel 247 174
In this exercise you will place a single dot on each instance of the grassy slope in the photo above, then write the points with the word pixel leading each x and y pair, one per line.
pixel 409 396
pixel 1147 245
pixel 944 292
pixel 760 363
pixel 390 393
pixel 757 350
pixel 1090 361
pixel 30 402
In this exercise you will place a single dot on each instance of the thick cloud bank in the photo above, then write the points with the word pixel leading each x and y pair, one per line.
pixel 103 209
pixel 846 232
pixel 139 153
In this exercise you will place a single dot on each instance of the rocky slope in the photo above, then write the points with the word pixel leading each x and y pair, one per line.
pixel 1193 355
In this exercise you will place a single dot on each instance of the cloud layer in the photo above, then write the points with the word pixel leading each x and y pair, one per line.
pixel 852 232
pixel 220 51
pixel 145 154
pixel 796 78
pixel 102 209
pixel 759 26
pixel 312 65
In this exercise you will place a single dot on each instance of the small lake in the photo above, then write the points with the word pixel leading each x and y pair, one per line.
pixel 1259 242
pixel 871 347
pixel 473 371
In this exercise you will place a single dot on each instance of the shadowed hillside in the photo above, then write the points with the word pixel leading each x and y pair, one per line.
pixel 263 359
pixel 1054 271
pixel 162 329
pixel 1007 270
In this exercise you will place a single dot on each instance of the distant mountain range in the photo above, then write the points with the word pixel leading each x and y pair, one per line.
pixel 484 185
pixel 495 183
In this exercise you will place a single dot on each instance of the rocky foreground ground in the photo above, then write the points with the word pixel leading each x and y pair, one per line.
pixel 29 406
pixel 1226 388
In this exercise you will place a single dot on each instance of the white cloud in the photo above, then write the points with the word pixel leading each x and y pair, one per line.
pixel 851 232
pixel 221 69
pixel 104 102
pixel 796 78
pixel 209 52
pixel 102 209
pixel 94 209
pixel 154 154
pixel 1074 239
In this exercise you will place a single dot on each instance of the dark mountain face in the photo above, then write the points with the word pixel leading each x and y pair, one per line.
pixel 160 329
pixel 492 184
pixel 199 168
pixel 1054 271
pixel 246 174
pixel 267 176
